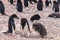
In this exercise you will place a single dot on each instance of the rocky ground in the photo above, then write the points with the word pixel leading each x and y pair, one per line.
pixel 51 24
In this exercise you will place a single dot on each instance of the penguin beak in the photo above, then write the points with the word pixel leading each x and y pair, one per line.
pixel 17 18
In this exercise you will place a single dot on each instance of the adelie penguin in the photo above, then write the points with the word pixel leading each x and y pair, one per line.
pixel 58 1
pixel 30 1
pixel 40 5
pixel 2 8
pixel 47 3
pixel 54 15
pixel 19 6
pixel 50 2
pixel 35 17
pixel 11 1
pixel 24 21
pixel 26 3
pixel 55 6
pixel 11 24
pixel 40 29
pixel 35 1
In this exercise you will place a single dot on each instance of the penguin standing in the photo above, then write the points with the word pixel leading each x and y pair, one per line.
pixel 11 24
pixel 19 6
pixel 2 8
pixel 47 3
pixel 40 5
pixel 24 21
pixel 55 6
pixel 11 1
pixel 26 3
pixel 58 1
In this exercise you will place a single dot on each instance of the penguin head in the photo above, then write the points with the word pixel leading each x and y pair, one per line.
pixel 14 16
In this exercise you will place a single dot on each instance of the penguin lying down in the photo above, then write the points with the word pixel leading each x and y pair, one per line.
pixel 54 15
